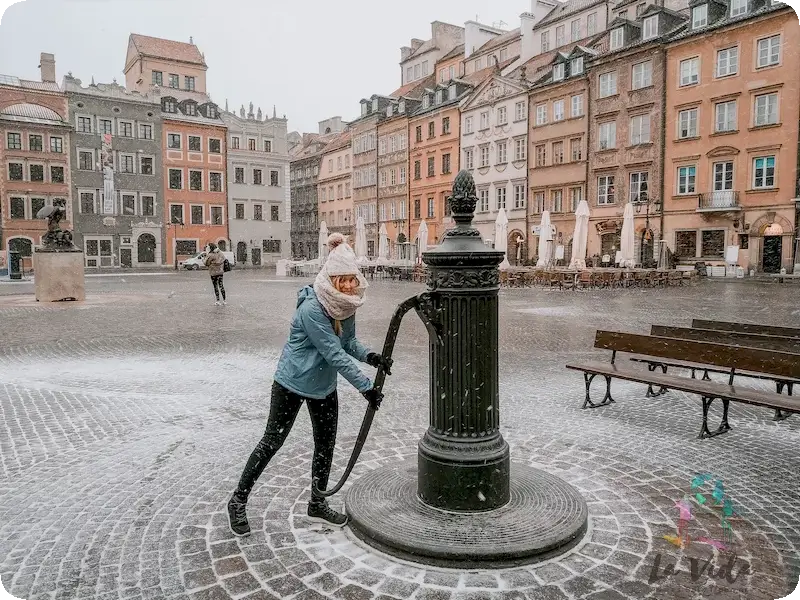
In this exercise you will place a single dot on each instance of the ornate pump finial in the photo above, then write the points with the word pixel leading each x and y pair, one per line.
pixel 462 204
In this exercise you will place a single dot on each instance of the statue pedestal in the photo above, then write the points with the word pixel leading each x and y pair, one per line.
pixel 59 275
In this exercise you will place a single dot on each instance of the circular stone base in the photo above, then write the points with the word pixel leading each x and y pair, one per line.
pixel 545 517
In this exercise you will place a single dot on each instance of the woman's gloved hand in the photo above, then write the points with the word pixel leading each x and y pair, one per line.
pixel 374 398
pixel 376 360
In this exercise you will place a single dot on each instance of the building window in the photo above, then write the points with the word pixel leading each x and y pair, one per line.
pixel 195 144
pixel 575 197
pixel 725 116
pixel 258 212
pixel 541 114
pixel 538 202
pixel 608 84
pixel 417 208
pixel 607 135
pixel 212 112
pixel 174 141
pixel 84 125
pixel 146 132
pixel 128 204
pixel 687 123
pixel 558 72
pixel 273 179
pixel 769 51
pixel 87 203
pixel 238 175
pixel 468 125
pixel 519 111
pixel 186 247
pixel 14 141
pixel 37 204
pixel 541 155
pixel 216 215
pixel 545 41
pixel 766 109
pixel 700 16
pixel 146 165
pixel 520 149
pixel 251 144
pixel 502 153
pixel 239 211
pixel 591 24
pixel 500 197
pixel 196 181
pixel 469 158
pixel 690 71
pixel 764 172
pixel 174 81
pixel 272 246
pixel 445 166
pixel 36 172
pixel 577 105
pixel 169 105
pixel 558 110
pixel 558 153
pixel 723 176
pixel 215 182
pixel 17 208
pixel 502 115
pixel 196 214
pixel 617 38
pixel 557 201
pixel 484 156
pixel 519 195
pixel 576 149
pixel 727 62
pixel 214 145
pixel 235 142
pixel 605 189
pixel 56 145
pixel 431 130
pixel 419 133
pixel 148 206
pixel 35 143
pixel 125 129
pixel 176 213
pixel 638 185
pixel 126 163
pixel 686 179
pixel 431 166
pixel 640 129
pixel 175 179
pixel 85 161
pixel 686 244
pixel 484 120
pixel 189 83
pixel 15 172
pixel 158 78
pixel 575 30
pixel 738 7
pixel 576 66
pixel 642 75
pixel 431 208
pixel 257 180
pixel 561 37
pixel 650 27
pixel 268 146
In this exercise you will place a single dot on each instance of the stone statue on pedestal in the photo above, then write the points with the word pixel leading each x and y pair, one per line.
pixel 56 239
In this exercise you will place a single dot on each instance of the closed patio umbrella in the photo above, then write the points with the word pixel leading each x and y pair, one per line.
pixel 323 242
pixel 501 236
pixel 545 241
pixel 580 236
pixel 627 241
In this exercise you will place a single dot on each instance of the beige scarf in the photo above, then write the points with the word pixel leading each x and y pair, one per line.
pixel 338 305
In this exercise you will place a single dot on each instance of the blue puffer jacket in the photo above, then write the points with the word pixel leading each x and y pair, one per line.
pixel 313 354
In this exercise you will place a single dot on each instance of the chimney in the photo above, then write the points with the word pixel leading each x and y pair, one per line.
pixel 416 43
pixel 47 66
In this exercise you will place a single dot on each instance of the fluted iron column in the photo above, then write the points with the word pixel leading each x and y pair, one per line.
pixel 463 459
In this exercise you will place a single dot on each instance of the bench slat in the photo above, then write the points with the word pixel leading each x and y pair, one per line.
pixel 746 328
pixel 693 386
pixel 760 360
pixel 687 364
pixel 750 340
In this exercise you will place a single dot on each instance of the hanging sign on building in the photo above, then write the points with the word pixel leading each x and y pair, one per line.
pixel 107 164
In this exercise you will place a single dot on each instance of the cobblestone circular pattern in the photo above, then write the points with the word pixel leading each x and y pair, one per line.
pixel 544 517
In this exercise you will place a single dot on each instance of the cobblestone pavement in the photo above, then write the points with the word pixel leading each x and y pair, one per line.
pixel 125 422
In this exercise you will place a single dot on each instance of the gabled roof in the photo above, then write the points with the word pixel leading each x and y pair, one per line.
pixel 167 49
pixel 499 40
pixel 766 8
pixel 564 9
pixel 494 77
pixel 415 88
pixel 44 86
pixel 457 51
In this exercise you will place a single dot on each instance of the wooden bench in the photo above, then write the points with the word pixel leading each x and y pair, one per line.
pixel 746 328
pixel 777 364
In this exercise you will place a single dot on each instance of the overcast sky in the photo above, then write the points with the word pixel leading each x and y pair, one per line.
pixel 311 58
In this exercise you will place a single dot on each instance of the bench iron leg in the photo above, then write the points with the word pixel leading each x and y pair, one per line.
pixel 607 399
pixel 650 392
pixel 723 426
pixel 779 414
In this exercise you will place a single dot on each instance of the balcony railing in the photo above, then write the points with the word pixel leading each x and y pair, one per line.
pixel 721 200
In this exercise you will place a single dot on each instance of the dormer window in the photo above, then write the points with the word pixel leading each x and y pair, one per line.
pixel 617 38
pixel 576 66
pixel 650 28
pixel 738 7
pixel 700 16
pixel 191 109
pixel 401 108
pixel 438 96
pixel 389 111
pixel 363 108
pixel 375 105
pixel 558 72
pixel 426 101
pixel 169 105
pixel 451 94
pixel 212 112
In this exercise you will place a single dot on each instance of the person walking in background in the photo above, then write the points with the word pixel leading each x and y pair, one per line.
pixel 322 338
pixel 215 261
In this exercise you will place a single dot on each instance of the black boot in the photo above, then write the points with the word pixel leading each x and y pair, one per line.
pixel 318 510
pixel 237 516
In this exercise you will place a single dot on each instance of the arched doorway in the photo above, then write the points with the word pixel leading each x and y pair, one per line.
pixel 517 248
pixel 146 248
pixel 773 248
pixel 241 252
pixel 222 245
pixel 609 244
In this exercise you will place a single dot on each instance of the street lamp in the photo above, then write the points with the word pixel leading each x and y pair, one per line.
pixel 174 225
pixel 644 200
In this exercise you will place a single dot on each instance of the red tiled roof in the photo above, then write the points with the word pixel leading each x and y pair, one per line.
pixel 169 49
pixel 479 77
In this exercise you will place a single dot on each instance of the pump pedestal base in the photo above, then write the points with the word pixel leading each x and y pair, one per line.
pixel 545 517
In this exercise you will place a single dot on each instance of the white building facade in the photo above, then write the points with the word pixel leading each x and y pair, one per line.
pixel 258 188
pixel 494 148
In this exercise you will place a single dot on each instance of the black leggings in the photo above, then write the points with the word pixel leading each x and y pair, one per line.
pixel 218 286
pixel 283 410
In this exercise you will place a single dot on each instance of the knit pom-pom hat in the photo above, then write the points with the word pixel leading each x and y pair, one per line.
pixel 341 259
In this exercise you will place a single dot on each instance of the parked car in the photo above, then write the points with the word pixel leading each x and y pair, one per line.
pixel 198 262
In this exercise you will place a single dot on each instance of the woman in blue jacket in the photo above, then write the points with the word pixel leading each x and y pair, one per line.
pixel 322 338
